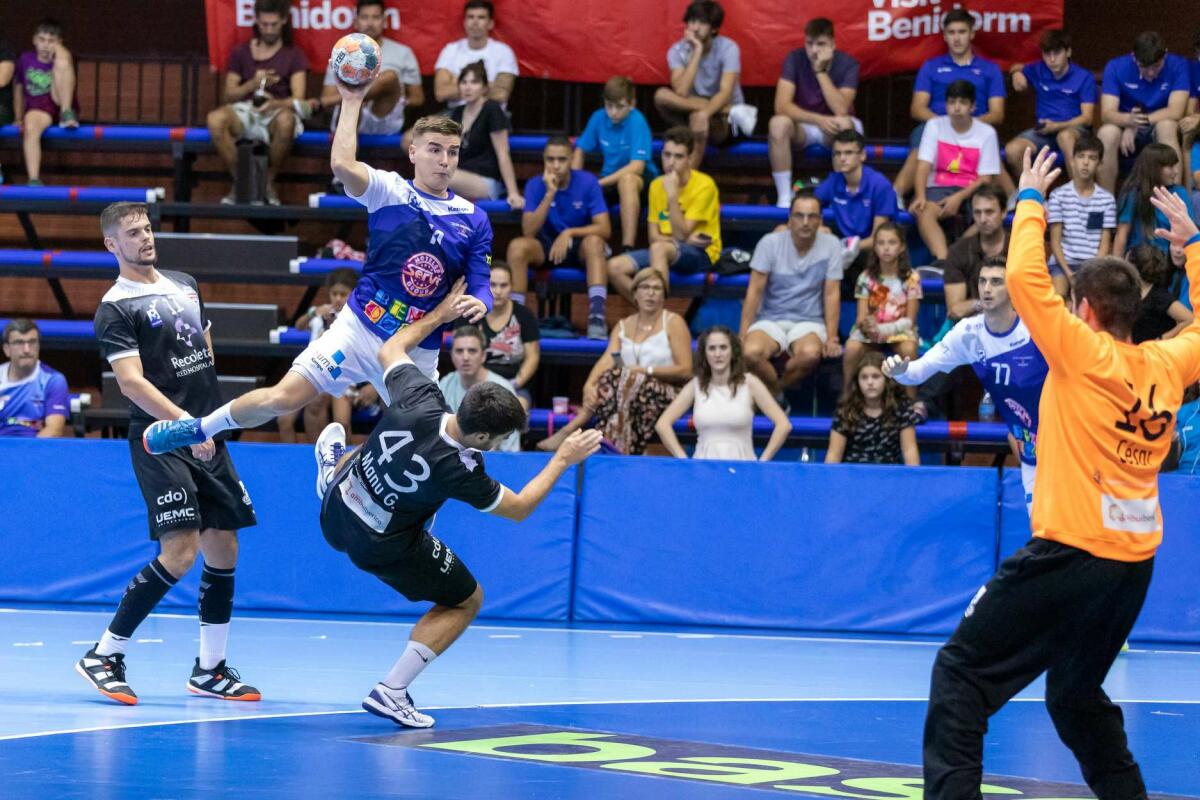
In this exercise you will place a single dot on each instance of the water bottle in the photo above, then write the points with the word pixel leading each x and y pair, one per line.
pixel 260 94
pixel 987 409
pixel 805 456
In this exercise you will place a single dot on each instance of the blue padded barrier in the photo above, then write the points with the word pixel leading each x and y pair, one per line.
pixel 54 556
pixel 161 134
pixel 81 194
pixel 1172 609
pixel 776 545
pixel 58 259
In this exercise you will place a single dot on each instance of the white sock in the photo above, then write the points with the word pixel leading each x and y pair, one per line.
pixel 212 644
pixel 110 644
pixel 517 297
pixel 219 421
pixel 415 658
pixel 783 188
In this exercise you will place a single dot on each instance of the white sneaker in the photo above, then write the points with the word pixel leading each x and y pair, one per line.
pixel 330 447
pixel 743 118
pixel 396 705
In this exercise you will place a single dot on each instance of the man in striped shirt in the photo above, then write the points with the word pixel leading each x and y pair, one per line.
pixel 1065 602
pixel 1082 215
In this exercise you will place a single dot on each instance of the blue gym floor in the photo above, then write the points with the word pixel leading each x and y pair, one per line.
pixel 535 712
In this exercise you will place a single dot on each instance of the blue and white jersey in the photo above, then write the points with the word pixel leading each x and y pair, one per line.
pixel 25 404
pixel 1008 364
pixel 419 246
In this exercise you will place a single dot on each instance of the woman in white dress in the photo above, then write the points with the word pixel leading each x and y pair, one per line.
pixel 722 397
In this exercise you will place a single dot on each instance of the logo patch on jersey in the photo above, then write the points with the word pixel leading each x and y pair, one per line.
pixel 421 274
pixel 1019 411
pixel 153 315
pixel 374 311
pixel 338 358
pixel 184 331
pixel 413 315
pixel 398 309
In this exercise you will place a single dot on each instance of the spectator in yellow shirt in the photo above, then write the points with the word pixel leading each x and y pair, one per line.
pixel 683 223
pixel 1064 603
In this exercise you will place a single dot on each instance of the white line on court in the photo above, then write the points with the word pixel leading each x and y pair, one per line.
pixel 546 704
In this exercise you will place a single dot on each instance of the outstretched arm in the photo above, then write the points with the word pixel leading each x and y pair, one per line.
pixel 942 357
pixel 395 349
pixel 1184 347
pixel 519 505
pixel 1065 341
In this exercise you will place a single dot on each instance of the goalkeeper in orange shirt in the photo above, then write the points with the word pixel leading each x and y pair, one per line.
pixel 1065 602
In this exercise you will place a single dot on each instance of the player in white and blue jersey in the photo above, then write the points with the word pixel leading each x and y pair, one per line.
pixel 997 346
pixel 422 239
pixel 33 397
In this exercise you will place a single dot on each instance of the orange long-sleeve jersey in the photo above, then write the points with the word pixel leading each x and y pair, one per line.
pixel 1107 412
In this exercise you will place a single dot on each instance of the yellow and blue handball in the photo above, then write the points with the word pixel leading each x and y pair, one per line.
pixel 355 59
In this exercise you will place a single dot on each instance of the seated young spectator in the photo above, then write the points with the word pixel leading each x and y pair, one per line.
pixel 510 331
pixel 888 293
pixel 33 397
pixel 485 168
pixel 960 274
pixel 265 84
pixel 1160 315
pixel 1187 432
pixel 338 286
pixel 1137 219
pixel 499 61
pixel 934 78
pixel 47 97
pixel 874 420
pixel 814 101
pixel 1066 101
pixel 958 154
pixel 619 132
pixel 566 224
pixel 860 198
pixel 649 355
pixel 793 302
pixel 1082 215
pixel 397 86
pixel 722 398
pixel 467 355
pixel 1190 124
pixel 705 68
pixel 683 220
pixel 1143 97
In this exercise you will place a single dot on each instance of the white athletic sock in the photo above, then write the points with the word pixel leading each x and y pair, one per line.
pixel 218 421
pixel 415 658
pixel 212 644
pixel 517 297
pixel 783 189
pixel 110 644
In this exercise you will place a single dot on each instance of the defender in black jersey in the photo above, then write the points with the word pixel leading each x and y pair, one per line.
pixel 154 333
pixel 379 501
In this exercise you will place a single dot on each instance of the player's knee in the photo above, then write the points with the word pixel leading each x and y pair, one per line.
pixel 178 551
pixel 220 548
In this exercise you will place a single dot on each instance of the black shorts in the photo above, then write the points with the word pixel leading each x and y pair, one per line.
pixel 182 492
pixel 414 563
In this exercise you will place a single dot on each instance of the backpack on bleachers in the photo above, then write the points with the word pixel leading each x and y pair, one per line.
pixel 250 178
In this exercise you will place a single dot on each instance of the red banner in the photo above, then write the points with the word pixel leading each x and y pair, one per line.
pixel 586 41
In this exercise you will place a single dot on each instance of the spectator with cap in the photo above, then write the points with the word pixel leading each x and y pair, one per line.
pixel 33 396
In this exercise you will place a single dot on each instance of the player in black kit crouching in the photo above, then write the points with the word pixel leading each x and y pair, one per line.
pixel 379 501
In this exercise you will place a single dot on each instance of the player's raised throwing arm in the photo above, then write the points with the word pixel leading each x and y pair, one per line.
pixel 343 158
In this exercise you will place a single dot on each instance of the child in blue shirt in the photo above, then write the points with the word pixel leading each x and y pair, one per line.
pixel 621 134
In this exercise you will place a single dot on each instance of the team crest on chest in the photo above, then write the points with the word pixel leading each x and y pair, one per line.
pixel 421 274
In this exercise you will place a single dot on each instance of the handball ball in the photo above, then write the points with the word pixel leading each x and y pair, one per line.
pixel 355 59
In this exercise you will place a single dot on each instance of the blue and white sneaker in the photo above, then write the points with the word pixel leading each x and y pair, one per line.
pixel 396 705
pixel 166 435
pixel 330 447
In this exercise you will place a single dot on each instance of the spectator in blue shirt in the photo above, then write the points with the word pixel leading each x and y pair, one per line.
pixel 1144 95
pixel 814 100
pixel 33 397
pixel 566 223
pixel 859 199
pixel 1190 124
pixel 621 134
pixel 1137 220
pixel 1066 101
pixel 929 92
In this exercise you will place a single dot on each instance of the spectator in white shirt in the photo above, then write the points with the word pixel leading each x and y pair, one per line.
pixel 497 57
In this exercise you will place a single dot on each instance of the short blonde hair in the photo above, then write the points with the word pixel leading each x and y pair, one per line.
pixel 436 123
pixel 647 274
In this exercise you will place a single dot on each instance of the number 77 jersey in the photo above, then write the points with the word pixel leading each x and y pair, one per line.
pixel 410 465
pixel 1007 363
